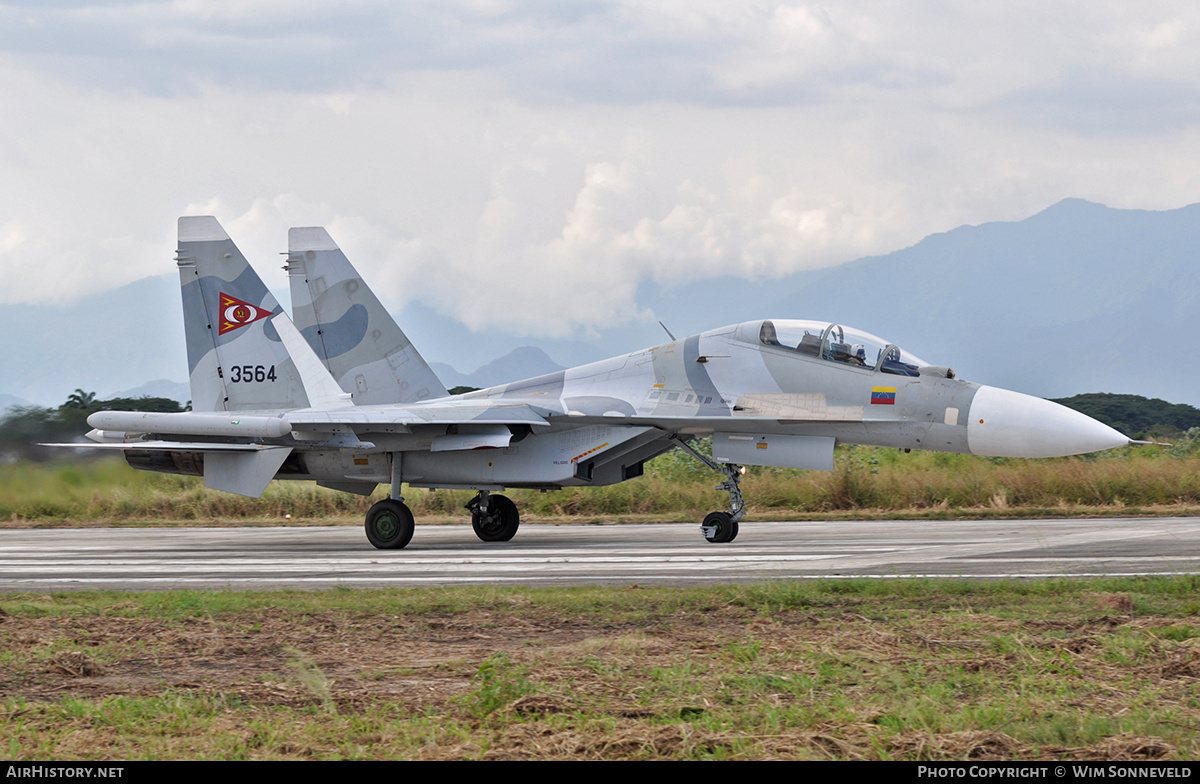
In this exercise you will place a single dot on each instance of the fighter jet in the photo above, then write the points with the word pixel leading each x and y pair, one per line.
pixel 342 397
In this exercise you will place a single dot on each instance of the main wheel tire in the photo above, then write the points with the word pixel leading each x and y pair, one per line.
pixel 389 525
pixel 719 528
pixel 501 521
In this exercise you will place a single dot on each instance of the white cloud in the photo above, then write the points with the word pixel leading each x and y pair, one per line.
pixel 526 166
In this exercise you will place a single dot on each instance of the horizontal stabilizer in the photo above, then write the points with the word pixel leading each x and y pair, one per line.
pixel 244 473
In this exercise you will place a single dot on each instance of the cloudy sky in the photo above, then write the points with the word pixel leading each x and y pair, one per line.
pixel 523 166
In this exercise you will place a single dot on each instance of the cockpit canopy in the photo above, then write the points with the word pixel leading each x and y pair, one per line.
pixel 836 343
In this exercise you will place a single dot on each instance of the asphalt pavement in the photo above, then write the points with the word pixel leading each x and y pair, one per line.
pixel 268 558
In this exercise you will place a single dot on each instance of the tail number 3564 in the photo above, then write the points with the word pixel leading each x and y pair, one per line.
pixel 244 374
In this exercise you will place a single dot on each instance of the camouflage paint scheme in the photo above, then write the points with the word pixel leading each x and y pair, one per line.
pixel 344 398
pixel 348 327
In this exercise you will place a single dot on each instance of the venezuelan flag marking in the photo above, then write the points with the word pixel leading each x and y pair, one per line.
pixel 883 396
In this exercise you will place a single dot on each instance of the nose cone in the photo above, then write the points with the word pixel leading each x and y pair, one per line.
pixel 1009 424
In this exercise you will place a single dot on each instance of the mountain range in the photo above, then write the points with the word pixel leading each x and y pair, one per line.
pixel 1077 298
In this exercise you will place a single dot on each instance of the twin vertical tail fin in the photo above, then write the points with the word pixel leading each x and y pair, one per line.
pixel 236 359
pixel 348 328
pixel 241 357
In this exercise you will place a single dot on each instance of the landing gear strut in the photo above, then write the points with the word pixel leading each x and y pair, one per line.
pixel 494 517
pixel 721 527
pixel 390 522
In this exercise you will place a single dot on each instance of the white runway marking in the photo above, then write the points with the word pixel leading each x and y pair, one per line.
pixel 554 555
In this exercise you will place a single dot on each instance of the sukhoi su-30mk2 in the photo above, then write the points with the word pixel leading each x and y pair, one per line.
pixel 339 395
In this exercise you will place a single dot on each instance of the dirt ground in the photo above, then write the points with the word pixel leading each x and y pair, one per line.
pixel 558 687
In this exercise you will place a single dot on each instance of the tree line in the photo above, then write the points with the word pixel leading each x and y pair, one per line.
pixel 24 427
pixel 1136 416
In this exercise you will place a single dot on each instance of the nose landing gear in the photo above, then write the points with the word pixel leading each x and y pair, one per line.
pixel 721 527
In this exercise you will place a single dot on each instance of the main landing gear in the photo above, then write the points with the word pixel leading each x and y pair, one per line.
pixel 390 524
pixel 721 527
pixel 494 517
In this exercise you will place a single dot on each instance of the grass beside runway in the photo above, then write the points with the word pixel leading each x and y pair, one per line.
pixel 867 482
pixel 907 669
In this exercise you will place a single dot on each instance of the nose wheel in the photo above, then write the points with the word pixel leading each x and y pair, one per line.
pixel 721 527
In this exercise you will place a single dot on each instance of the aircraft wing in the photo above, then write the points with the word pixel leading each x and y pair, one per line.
pixel 676 423
pixel 434 414
pixel 169 446
pixel 250 425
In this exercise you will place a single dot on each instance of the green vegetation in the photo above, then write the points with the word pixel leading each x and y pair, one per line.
pixel 22 428
pixel 1101 669
pixel 866 482
pixel 1135 415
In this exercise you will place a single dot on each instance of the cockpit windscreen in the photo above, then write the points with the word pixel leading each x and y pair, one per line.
pixel 836 343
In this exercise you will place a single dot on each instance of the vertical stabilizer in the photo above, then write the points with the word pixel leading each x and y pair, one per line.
pixel 236 360
pixel 349 329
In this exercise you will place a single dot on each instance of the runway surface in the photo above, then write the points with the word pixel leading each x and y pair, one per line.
pixel 267 558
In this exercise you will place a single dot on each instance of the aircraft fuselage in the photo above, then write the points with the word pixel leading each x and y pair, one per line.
pixel 341 396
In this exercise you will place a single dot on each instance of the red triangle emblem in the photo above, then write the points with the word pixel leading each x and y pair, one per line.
pixel 236 314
